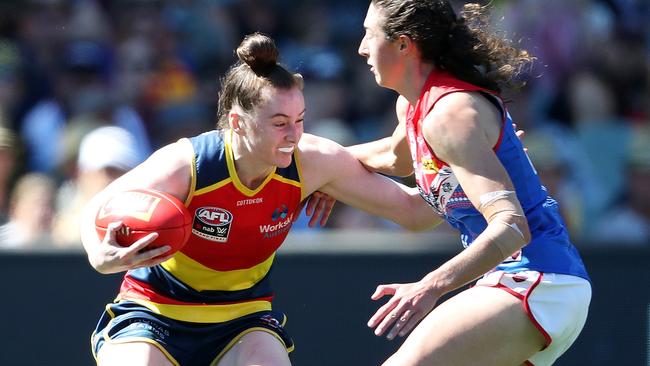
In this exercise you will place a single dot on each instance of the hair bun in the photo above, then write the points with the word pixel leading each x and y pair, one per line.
pixel 259 52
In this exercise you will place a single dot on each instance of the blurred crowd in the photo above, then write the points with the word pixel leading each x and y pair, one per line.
pixel 89 88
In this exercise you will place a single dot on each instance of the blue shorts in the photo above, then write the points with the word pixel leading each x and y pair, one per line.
pixel 184 343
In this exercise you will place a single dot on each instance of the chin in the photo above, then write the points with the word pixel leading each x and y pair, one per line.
pixel 283 163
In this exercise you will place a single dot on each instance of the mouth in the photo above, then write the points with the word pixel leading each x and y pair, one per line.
pixel 286 149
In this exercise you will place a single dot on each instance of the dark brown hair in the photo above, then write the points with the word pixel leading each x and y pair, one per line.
pixel 256 69
pixel 463 46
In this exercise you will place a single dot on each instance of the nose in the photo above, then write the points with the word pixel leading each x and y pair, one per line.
pixel 362 48
pixel 293 132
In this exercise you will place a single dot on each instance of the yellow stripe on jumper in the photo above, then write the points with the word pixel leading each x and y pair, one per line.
pixel 204 313
pixel 282 179
pixel 201 278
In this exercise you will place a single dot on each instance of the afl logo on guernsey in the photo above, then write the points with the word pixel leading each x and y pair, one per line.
pixel 212 223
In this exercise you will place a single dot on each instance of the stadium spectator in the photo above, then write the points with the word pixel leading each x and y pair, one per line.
pixel 31 209
pixel 104 154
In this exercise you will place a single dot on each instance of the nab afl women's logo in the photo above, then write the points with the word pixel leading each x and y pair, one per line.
pixel 212 223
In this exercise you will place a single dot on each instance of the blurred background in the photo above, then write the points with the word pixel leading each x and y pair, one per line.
pixel 89 88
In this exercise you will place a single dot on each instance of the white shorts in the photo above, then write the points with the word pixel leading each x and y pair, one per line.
pixel 557 305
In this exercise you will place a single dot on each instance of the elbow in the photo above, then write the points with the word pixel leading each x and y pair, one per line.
pixel 100 267
pixel 419 226
pixel 401 169
pixel 422 220
pixel 96 264
pixel 522 223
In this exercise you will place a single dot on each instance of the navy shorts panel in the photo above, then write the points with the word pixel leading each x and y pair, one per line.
pixel 184 343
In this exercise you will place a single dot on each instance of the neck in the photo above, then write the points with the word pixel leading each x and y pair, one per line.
pixel 412 84
pixel 250 171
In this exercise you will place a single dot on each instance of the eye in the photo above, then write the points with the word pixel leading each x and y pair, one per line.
pixel 300 120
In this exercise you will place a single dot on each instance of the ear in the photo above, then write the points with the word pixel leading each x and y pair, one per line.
pixel 236 123
pixel 405 43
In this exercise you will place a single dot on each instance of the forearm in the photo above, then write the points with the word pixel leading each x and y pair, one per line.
pixel 89 238
pixel 380 196
pixel 378 156
pixel 473 262
pixel 498 241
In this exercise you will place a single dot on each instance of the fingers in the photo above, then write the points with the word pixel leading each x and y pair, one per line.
pixel 111 231
pixel 520 134
pixel 141 243
pixel 383 290
pixel 315 208
pixel 412 319
pixel 318 207
pixel 311 203
pixel 394 317
pixel 380 316
pixel 404 323
pixel 314 215
pixel 299 208
pixel 328 206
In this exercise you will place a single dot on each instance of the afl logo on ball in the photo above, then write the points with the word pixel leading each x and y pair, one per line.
pixel 212 223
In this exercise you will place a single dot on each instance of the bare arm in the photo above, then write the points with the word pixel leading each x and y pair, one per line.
pixel 464 132
pixel 462 129
pixel 389 155
pixel 330 168
pixel 167 170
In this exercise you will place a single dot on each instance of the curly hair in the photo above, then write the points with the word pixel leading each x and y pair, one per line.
pixel 464 46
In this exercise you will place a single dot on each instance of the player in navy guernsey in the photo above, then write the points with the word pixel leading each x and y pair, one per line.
pixel 455 134
pixel 211 302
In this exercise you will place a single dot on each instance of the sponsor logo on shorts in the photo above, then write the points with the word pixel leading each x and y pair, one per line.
pixel 271 321
pixel 149 326
pixel 212 223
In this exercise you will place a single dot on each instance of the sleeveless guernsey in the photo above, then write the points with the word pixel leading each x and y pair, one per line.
pixel 222 273
pixel 550 249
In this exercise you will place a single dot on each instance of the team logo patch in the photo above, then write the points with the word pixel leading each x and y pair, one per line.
pixel 429 165
pixel 212 223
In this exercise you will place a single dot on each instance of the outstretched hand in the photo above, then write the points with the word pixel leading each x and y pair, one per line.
pixel 410 302
pixel 111 257
pixel 318 207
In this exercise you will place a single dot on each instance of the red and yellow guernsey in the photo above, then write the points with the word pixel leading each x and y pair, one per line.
pixel 222 273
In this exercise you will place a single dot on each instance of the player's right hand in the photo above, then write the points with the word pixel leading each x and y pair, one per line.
pixel 111 257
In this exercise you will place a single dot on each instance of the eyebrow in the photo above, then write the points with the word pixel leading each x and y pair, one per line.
pixel 286 116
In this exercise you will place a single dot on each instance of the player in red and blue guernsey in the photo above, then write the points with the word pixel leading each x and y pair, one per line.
pixel 455 134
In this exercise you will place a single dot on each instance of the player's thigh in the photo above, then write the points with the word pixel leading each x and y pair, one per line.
pixel 482 325
pixel 257 348
pixel 131 354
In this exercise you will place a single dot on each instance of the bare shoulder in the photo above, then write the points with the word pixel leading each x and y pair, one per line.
pixel 458 120
pixel 168 169
pixel 312 145
pixel 322 160
pixel 451 119
pixel 170 158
